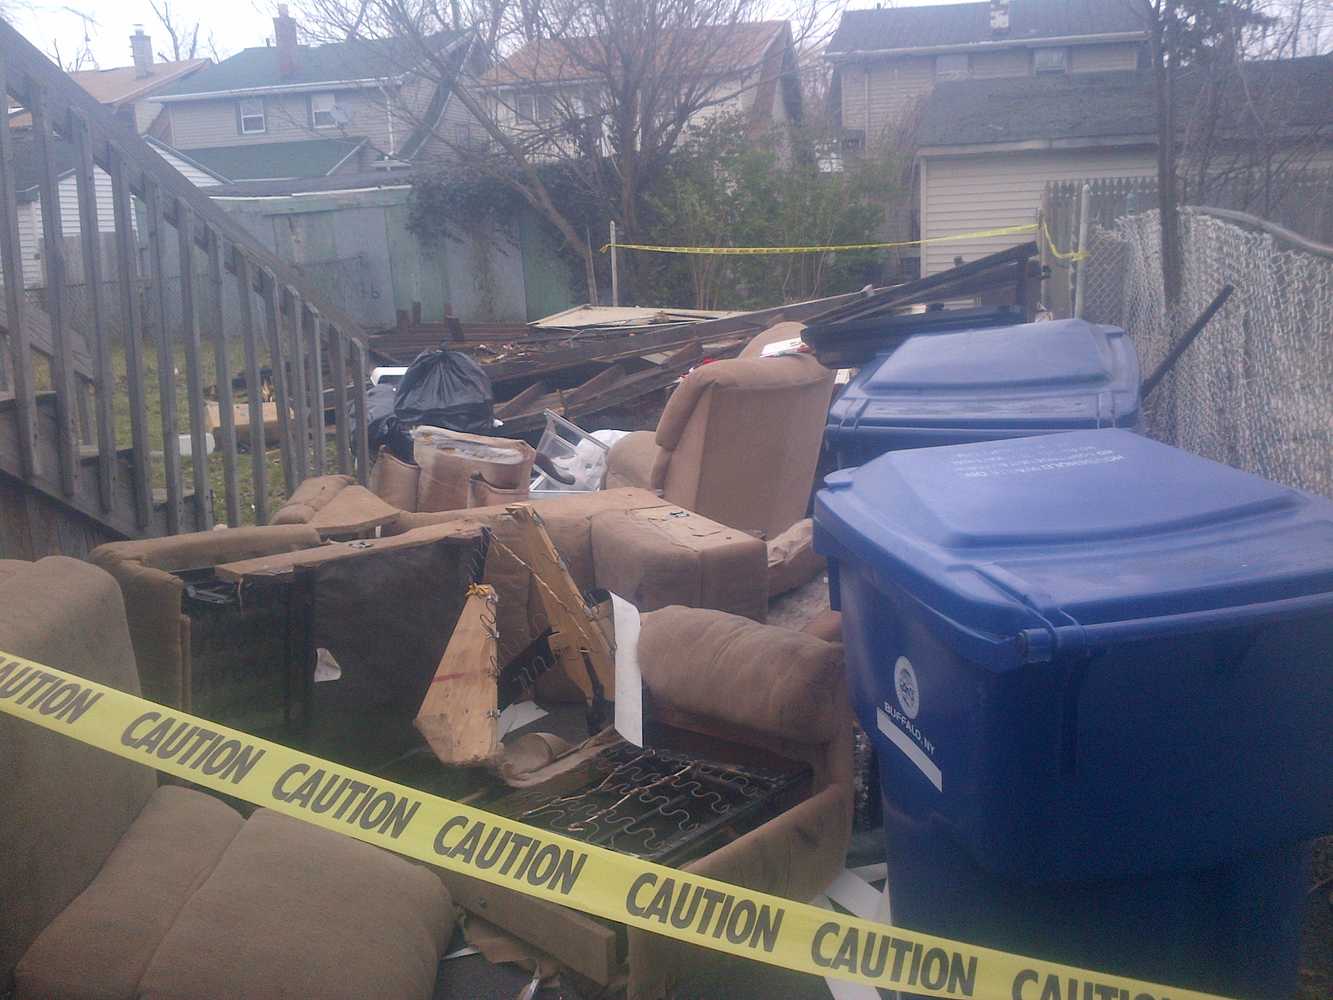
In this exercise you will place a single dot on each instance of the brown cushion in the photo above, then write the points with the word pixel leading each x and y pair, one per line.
pixel 63 804
pixel 732 670
pixel 355 509
pixel 630 462
pixel 665 555
pixel 792 559
pixel 202 549
pixel 102 943
pixel 293 910
pixel 394 481
pixel 311 496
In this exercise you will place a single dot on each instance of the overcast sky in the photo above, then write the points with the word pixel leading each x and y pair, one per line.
pixel 232 24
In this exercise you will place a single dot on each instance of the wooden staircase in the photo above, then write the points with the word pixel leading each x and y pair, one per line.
pixel 66 481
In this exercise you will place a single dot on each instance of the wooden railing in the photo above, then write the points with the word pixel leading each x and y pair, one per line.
pixel 173 271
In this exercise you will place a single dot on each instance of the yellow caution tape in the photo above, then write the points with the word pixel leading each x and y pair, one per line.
pixel 978 234
pixel 678 904
pixel 1069 255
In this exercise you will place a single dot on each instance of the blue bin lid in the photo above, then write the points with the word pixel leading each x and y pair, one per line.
pixel 1034 377
pixel 1073 531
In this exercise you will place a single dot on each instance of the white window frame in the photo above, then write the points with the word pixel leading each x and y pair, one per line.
pixel 330 102
pixel 1057 60
pixel 959 63
pixel 242 116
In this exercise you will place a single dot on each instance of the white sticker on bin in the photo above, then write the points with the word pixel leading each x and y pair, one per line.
pixel 899 738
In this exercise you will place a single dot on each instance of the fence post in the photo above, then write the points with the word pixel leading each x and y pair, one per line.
pixel 1080 266
pixel 615 268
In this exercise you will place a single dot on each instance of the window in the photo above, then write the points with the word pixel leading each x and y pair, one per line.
pixel 523 107
pixel 1048 60
pixel 251 115
pixel 951 67
pixel 322 111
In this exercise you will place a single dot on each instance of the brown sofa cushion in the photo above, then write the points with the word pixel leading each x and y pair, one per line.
pixel 102 943
pixel 63 804
pixel 394 481
pixel 293 910
pixel 732 670
pixel 309 498
pixel 665 555
pixel 792 559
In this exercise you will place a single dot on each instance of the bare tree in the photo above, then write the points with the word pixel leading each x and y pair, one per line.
pixel 82 56
pixel 184 36
pixel 597 91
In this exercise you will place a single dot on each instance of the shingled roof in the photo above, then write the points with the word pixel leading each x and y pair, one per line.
pixel 1114 105
pixel 338 62
pixel 969 23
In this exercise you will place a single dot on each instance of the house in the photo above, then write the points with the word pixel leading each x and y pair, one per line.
pixel 986 149
pixel 885 61
pixel 751 70
pixel 287 110
pixel 129 91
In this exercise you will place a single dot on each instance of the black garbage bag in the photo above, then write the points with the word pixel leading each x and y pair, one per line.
pixel 446 389
pixel 383 428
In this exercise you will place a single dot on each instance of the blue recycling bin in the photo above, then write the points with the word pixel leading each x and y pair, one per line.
pixel 986 384
pixel 1098 672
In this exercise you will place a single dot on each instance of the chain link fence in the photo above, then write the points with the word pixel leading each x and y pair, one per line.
pixel 1255 390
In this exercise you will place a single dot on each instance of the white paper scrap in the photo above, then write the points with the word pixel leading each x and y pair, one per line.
pixel 518 715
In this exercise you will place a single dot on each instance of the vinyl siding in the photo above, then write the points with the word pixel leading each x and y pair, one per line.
pixel 895 86
pixel 200 124
pixel 961 194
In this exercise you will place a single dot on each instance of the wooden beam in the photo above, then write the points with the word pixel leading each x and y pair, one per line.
pixel 278 364
pixel 315 356
pixel 166 361
pixel 222 372
pixel 254 387
pixel 338 371
pixel 127 277
pixel 11 252
pixel 194 380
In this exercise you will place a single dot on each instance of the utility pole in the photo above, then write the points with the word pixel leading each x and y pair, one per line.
pixel 615 270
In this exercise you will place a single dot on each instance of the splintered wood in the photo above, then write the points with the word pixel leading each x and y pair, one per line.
pixel 576 631
pixel 459 717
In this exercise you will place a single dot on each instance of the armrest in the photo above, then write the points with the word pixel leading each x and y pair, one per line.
pixel 729 669
pixel 630 462
pixel 202 549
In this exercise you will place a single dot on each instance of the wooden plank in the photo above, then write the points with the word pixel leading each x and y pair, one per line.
pixel 576 633
pixel 53 251
pixel 338 372
pixel 132 332
pixel 315 377
pixel 296 342
pixel 258 465
pixel 194 376
pixel 278 362
pixel 576 940
pixel 597 384
pixel 459 717
pixel 11 253
pixel 166 362
pixel 104 380
pixel 522 402
pixel 222 365
pixel 281 567
pixel 362 429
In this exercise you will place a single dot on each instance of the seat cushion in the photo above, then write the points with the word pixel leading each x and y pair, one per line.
pixel 666 555
pixel 100 945
pixel 293 910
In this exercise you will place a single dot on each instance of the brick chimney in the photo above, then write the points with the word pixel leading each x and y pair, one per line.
pixel 999 17
pixel 284 39
pixel 141 47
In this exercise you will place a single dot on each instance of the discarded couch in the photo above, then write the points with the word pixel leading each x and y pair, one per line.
pixel 728 690
pixel 739 439
pixel 116 887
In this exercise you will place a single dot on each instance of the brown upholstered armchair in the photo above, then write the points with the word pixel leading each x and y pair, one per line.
pixel 115 887
pixel 738 441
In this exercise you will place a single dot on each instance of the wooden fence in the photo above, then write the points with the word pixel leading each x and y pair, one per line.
pixel 58 377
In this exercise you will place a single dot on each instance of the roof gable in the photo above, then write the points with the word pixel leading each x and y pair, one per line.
pixel 969 23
